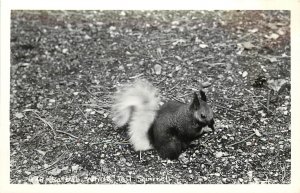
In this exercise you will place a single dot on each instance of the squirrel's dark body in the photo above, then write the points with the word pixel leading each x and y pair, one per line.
pixel 171 128
pixel 174 129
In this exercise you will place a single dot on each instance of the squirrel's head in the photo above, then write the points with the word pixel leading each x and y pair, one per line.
pixel 202 112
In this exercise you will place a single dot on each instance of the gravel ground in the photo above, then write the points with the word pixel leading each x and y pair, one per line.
pixel 65 65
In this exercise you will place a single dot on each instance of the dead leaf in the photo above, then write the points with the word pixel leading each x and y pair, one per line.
pixel 19 115
pixel 248 45
pixel 272 59
pixel 43 153
pixel 281 32
pixel 157 69
pixel 123 13
pixel 203 45
pixel 27 173
pixel 177 68
pixel 281 24
pixel 182 158
pixel 178 58
pixel 250 175
pixel 179 41
pixel 55 172
pixel 25 64
pixel 220 154
pixel 228 66
pixel 274 36
pixel 75 168
pixel 206 84
pixel 175 22
pixel 272 26
pixel 112 28
pixel 257 133
pixel 253 30
pixel 159 51
pixel 65 168
pixel 35 180
pixel 276 84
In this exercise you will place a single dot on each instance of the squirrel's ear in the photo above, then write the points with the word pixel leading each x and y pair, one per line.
pixel 195 103
pixel 203 96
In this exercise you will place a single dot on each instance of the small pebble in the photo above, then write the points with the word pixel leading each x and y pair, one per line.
pixel 65 50
pixel 157 69
pixel 245 73
pixel 52 100
pixel 86 37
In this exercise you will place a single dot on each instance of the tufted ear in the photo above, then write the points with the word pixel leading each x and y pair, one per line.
pixel 203 96
pixel 195 105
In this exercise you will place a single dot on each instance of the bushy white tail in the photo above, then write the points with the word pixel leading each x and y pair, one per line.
pixel 136 104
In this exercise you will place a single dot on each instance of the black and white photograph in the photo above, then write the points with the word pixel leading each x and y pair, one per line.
pixel 151 97
pixel 137 98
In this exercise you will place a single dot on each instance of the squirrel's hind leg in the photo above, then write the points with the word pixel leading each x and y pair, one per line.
pixel 171 150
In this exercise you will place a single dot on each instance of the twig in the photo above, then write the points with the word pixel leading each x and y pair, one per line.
pixel 103 92
pixel 268 101
pixel 249 92
pixel 55 162
pixel 71 135
pixel 269 56
pixel 227 108
pixel 241 140
pixel 260 102
pixel 122 143
pixel 82 112
pixel 110 142
pixel 97 106
pixel 140 155
pixel 244 36
pixel 284 131
pixel 182 96
pixel 232 98
pixel 283 175
pixel 40 118
pixel 193 89
pixel 136 76
pixel 266 108
pixel 215 64
pixel 162 80
pixel 176 99
pixel 91 92
pixel 174 86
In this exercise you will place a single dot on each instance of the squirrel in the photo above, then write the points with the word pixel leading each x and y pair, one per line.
pixel 169 128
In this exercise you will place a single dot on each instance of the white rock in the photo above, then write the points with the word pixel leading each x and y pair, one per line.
pixel 245 73
pixel 87 37
pixel 52 100
pixel 65 50
pixel 157 69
